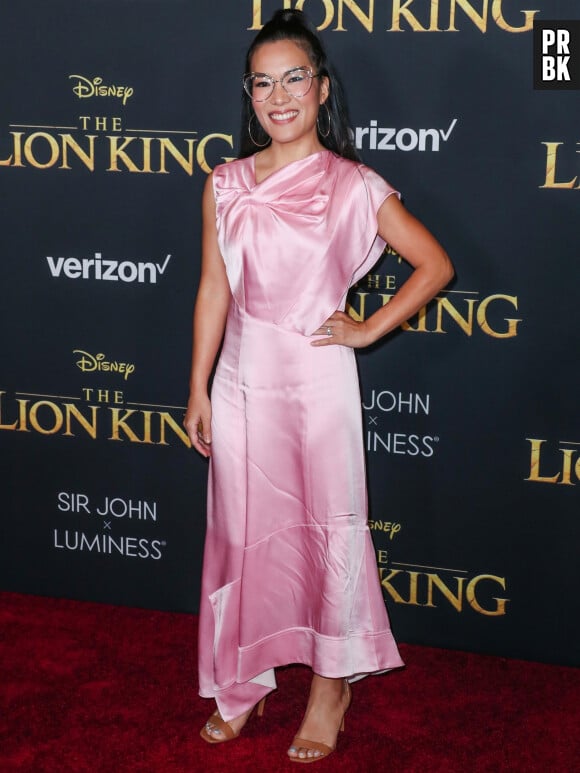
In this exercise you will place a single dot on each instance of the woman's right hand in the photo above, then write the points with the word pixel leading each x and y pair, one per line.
pixel 197 422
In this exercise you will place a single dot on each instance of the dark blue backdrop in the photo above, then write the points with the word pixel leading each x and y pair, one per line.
pixel 470 411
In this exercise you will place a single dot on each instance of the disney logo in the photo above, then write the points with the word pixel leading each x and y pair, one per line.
pixel 96 88
pixel 89 363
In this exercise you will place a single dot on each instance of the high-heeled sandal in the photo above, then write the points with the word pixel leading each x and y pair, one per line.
pixel 228 734
pixel 323 749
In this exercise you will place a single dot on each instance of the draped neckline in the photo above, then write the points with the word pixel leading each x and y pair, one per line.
pixel 286 168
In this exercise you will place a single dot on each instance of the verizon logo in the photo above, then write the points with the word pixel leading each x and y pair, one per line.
pixel 105 270
pixel 374 137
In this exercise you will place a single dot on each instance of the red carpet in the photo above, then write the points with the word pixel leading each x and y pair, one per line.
pixel 91 687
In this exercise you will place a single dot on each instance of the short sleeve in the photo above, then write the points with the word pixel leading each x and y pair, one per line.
pixel 376 191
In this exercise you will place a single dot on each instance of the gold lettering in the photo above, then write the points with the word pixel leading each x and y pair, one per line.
pixel 366 19
pixel 464 590
pixel 89 425
pixel 476 10
pixel 535 463
pixel 6 426
pixel 88 159
pixel 147 427
pixel 550 181
pixel 34 147
pixel 567 466
pixel 167 419
pixel 418 323
pixel 401 9
pixel 117 152
pixel 434 16
pixel 359 315
pixel 119 423
pixel 22 416
pixel 433 580
pixel 57 416
pixel 421 322
pixel 147 153
pixel 49 418
pixel 386 583
pixel 465 324
pixel 257 13
pixel 483 323
pixel 200 154
pixel 497 16
pixel 17 143
pixel 186 164
pixel 480 21
pixel 29 155
pixel 413 585
pixel 470 595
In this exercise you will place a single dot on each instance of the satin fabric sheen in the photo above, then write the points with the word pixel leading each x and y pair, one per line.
pixel 289 573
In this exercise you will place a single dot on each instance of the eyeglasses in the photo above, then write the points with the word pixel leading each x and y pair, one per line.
pixel 259 86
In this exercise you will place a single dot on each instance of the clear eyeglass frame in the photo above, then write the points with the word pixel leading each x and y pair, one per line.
pixel 296 82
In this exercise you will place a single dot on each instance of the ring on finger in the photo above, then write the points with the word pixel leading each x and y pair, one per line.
pixel 329 331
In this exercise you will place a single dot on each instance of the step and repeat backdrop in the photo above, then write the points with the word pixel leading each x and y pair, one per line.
pixel 112 113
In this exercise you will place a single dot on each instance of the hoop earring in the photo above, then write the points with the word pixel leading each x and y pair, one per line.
pixel 325 134
pixel 252 138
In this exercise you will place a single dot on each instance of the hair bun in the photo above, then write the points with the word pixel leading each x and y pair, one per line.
pixel 287 14
pixel 292 17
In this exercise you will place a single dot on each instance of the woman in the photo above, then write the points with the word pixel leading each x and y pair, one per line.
pixel 289 569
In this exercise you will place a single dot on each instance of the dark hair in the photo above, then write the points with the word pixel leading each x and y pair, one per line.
pixel 293 25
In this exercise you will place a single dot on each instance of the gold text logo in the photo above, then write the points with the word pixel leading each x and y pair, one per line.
pixel 551 180
pixel 401 15
pixel 92 363
pixel 101 414
pixel 101 142
pixel 561 467
pixel 433 586
pixel 451 310
pixel 85 88
pixel 387 527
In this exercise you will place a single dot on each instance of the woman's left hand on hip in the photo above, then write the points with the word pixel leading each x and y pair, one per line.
pixel 343 330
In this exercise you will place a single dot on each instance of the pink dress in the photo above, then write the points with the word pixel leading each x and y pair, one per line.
pixel 289 573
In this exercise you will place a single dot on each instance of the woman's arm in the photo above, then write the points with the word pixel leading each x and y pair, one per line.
pixel 433 270
pixel 209 320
